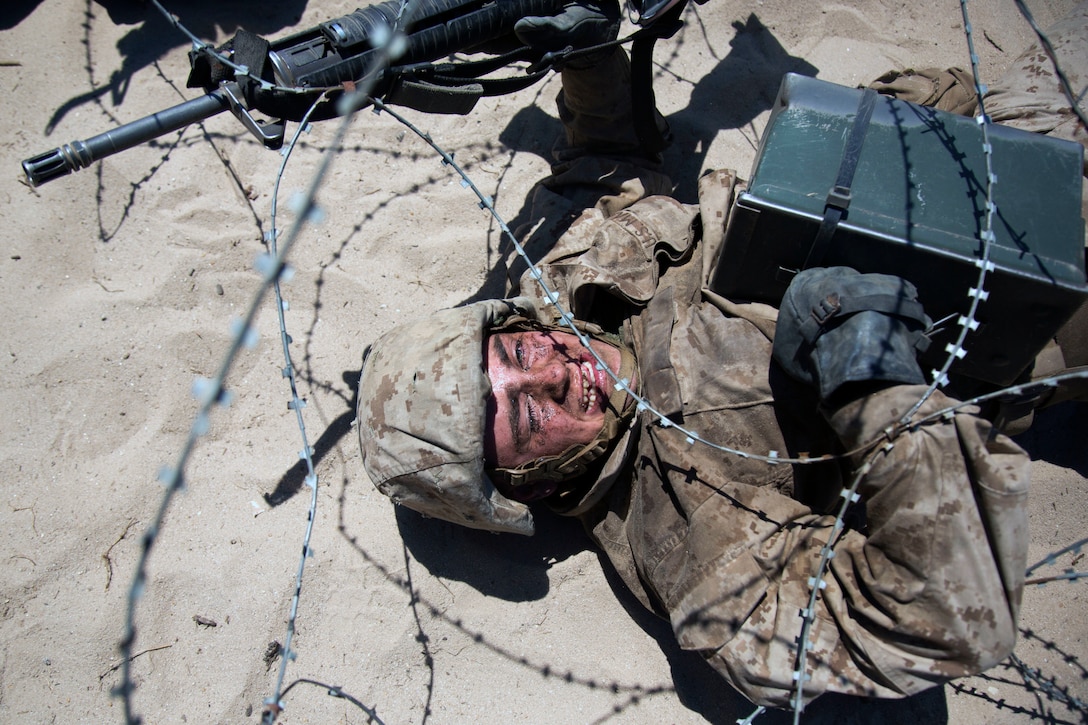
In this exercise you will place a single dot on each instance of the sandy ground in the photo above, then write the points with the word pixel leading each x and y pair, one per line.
pixel 118 287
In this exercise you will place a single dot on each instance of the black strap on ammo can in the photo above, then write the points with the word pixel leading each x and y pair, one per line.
pixel 838 199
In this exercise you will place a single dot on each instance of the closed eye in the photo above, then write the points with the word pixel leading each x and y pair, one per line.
pixel 519 354
pixel 533 415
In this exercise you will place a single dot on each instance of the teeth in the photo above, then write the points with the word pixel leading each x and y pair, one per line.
pixel 589 388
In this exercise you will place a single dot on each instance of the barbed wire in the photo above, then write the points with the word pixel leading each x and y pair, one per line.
pixel 273 268
pixel 307 212
pixel 211 392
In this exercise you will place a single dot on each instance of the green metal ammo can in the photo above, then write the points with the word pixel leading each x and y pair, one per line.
pixel 915 204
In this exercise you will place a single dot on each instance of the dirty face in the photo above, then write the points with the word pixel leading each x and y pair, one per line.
pixel 546 394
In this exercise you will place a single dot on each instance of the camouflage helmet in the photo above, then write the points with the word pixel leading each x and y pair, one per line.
pixel 423 398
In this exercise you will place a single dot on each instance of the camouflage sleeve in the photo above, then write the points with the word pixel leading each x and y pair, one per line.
pixel 933 591
pixel 1029 96
pixel 928 591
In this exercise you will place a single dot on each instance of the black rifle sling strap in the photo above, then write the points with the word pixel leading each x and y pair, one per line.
pixel 838 199
pixel 454 88
pixel 434 98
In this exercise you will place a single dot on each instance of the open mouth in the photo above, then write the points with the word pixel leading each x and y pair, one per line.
pixel 589 386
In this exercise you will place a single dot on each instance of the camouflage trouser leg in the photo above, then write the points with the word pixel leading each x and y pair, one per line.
pixel 599 166
pixel 601 151
pixel 1029 97
pixel 951 89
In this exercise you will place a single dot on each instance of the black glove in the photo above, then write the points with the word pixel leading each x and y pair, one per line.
pixel 580 25
pixel 846 332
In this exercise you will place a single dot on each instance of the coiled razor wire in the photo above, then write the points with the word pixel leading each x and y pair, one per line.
pixel 273 267
pixel 307 212
pixel 211 392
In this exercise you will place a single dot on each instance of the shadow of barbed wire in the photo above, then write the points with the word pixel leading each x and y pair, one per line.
pixel 1003 707
pixel 424 641
pixel 153 37
pixel 167 147
pixel 1052 707
pixel 1051 687
pixel 1068 659
pixel 629 694
pixel 107 234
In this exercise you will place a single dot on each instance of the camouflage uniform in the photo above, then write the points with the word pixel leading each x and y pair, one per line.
pixel 926 590
pixel 927 576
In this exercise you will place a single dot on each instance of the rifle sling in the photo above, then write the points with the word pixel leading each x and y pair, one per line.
pixel 432 98
pixel 496 86
pixel 438 93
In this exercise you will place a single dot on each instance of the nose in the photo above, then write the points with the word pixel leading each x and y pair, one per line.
pixel 549 378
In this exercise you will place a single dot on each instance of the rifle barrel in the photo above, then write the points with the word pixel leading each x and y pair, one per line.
pixel 81 154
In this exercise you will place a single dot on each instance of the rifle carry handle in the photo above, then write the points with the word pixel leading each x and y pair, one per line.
pixel 328 55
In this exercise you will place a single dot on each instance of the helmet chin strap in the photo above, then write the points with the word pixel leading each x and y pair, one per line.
pixel 542 476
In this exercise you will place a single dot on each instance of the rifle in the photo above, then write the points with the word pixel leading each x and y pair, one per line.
pixel 284 79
